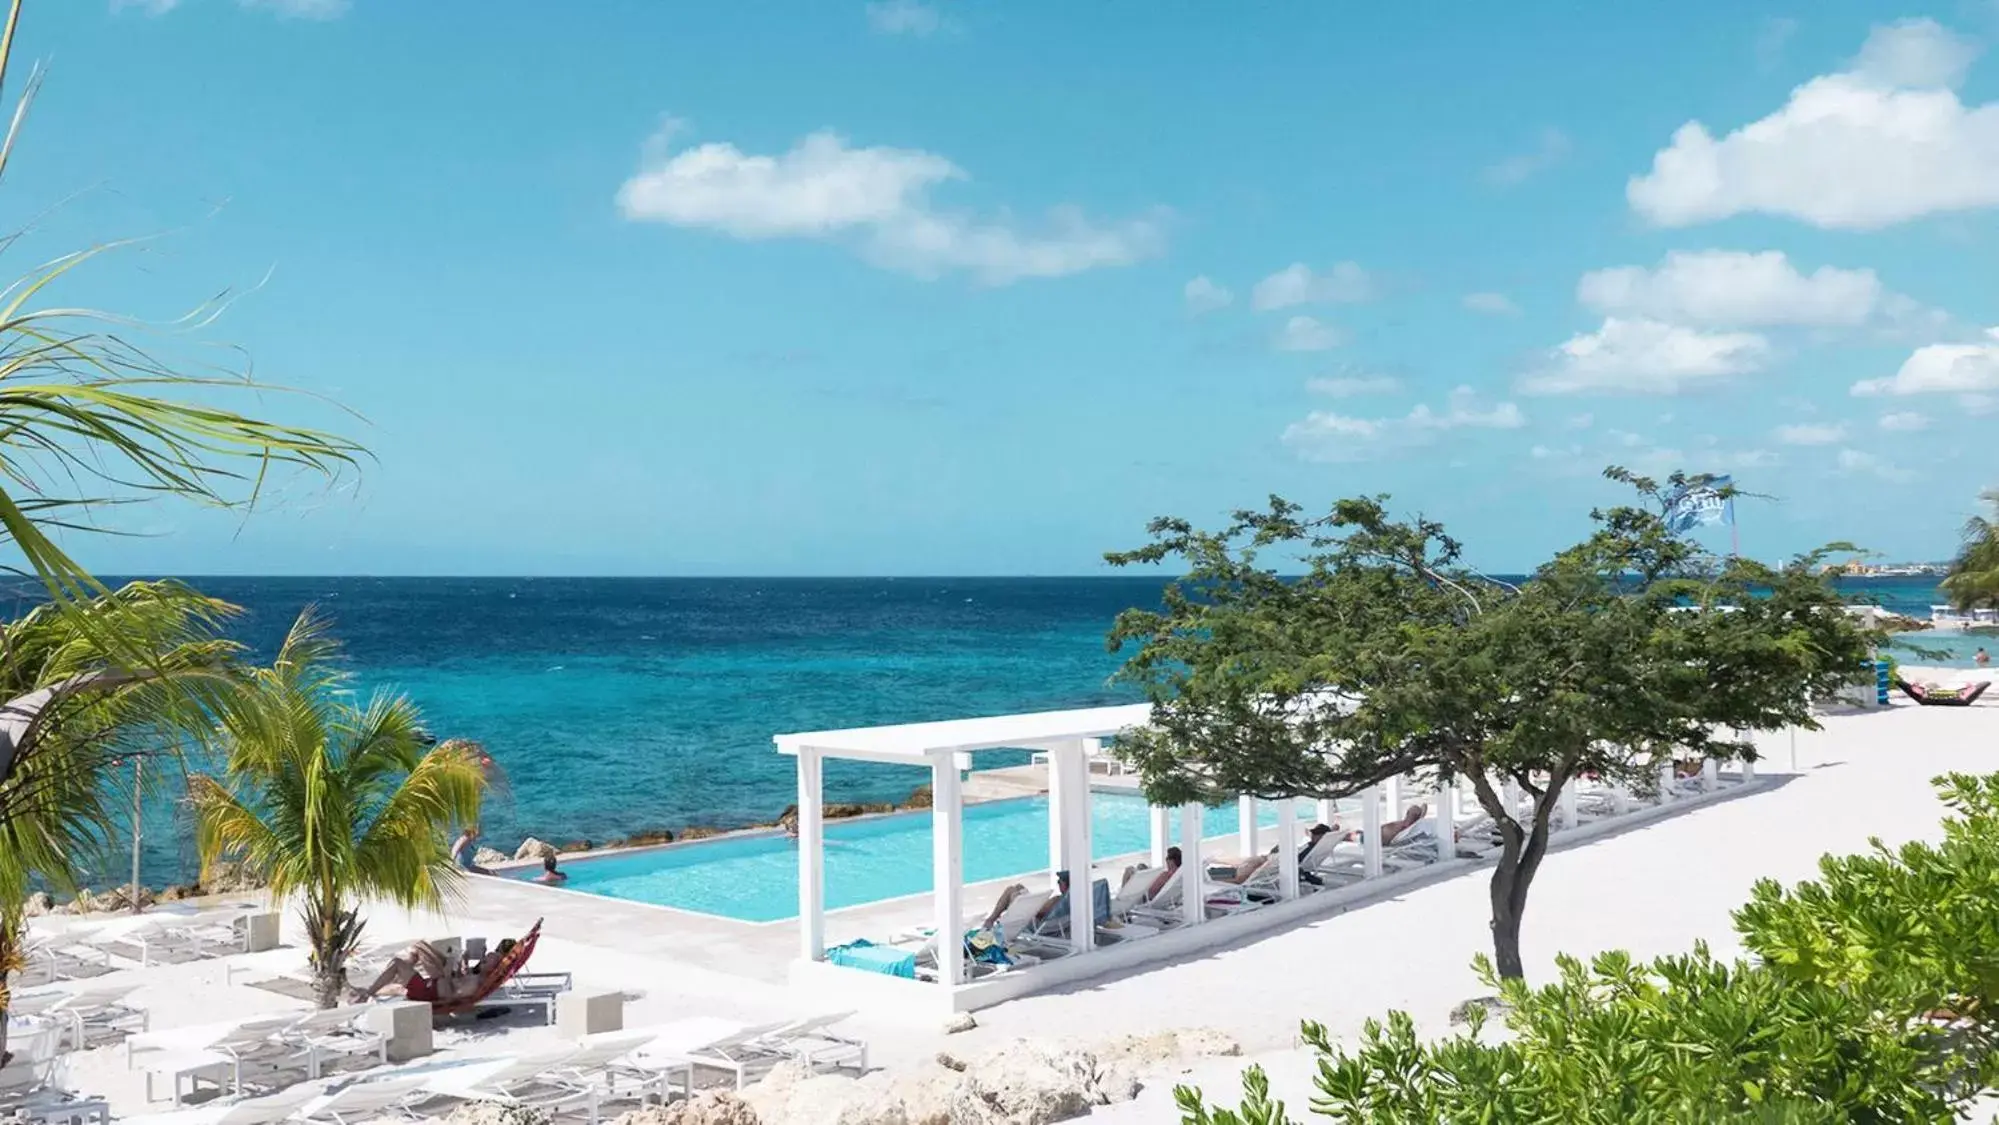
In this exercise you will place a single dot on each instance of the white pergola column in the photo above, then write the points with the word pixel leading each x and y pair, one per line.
pixel 1162 830
pixel 1397 791
pixel 1058 796
pixel 1509 792
pixel 1620 799
pixel 1193 897
pixel 811 855
pixel 1287 848
pixel 1076 834
pixel 1710 775
pixel 1370 833
pixel 1328 811
pixel 947 856
pixel 1570 819
pixel 1665 783
pixel 1245 827
pixel 1748 771
pixel 1444 820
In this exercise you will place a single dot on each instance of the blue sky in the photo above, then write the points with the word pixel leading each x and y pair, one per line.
pixel 835 288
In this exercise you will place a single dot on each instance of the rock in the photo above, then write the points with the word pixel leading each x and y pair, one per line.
pixel 227 876
pixel 497 1113
pixel 641 839
pixel 963 1021
pixel 1491 1005
pixel 919 798
pixel 949 1061
pixel 175 892
pixel 487 857
pixel 38 904
pixel 532 848
pixel 792 1095
pixel 1143 1053
pixel 85 902
pixel 700 832
pixel 576 846
pixel 712 1107
pixel 927 1095
pixel 1027 1083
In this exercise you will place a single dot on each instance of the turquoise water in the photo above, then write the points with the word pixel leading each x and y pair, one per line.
pixel 627 705
pixel 755 879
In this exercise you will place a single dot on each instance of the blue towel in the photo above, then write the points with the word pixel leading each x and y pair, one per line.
pixel 864 954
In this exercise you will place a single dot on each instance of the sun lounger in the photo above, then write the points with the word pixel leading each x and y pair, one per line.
pixel 267 1110
pixel 809 1042
pixel 1936 695
pixel 662 1059
pixel 62 951
pixel 736 1053
pixel 28 1087
pixel 533 1080
pixel 334 1033
pixel 360 1101
pixel 496 978
pixel 83 1010
pixel 221 1055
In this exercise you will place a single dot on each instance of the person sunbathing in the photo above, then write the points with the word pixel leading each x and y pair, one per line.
pixel 425 974
pixel 1240 871
pixel 1166 876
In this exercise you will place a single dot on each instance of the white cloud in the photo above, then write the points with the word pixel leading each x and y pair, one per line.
pixel 903 17
pixel 1353 385
pixel 1305 334
pixel 300 9
pixel 1919 54
pixel 1642 356
pixel 1881 143
pixel 1326 436
pixel 289 9
pixel 1733 289
pixel 1296 284
pixel 876 198
pixel 1496 304
pixel 1810 433
pixel 1204 296
pixel 1906 421
pixel 1579 421
pixel 1961 369
pixel 1549 150
pixel 1771 41
pixel 1856 461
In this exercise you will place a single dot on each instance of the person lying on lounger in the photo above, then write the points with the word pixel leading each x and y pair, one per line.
pixel 425 974
pixel 1242 870
pixel 1166 876
pixel 1411 817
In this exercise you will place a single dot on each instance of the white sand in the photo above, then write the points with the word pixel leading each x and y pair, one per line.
pixel 1652 889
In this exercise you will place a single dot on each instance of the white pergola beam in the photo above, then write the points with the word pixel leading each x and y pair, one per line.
pixel 1246 843
pixel 1444 820
pixel 1710 775
pixel 811 856
pixel 1162 832
pixel 1287 848
pixel 947 830
pixel 1076 831
pixel 1058 798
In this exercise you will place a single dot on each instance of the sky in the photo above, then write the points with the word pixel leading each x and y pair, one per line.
pixel 942 287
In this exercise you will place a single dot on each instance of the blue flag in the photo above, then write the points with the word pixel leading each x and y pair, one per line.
pixel 1700 502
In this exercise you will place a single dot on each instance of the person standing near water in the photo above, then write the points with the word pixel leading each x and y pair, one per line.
pixel 1981 659
pixel 465 848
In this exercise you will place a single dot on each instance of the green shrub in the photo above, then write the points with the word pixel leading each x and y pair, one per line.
pixel 1869 999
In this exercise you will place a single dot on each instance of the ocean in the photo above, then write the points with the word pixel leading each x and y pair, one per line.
pixel 623 705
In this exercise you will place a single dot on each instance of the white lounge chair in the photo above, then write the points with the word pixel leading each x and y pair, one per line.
pixel 267 1110
pixel 736 1053
pixel 29 1090
pixel 334 1033
pixel 531 1080
pixel 93 1008
pixel 58 951
pixel 360 1101
pixel 809 1042
pixel 218 1054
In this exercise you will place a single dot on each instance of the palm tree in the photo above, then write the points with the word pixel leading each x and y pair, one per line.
pixel 75 708
pixel 332 803
pixel 1973 581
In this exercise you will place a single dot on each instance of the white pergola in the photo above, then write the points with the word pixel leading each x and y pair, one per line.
pixel 1069 738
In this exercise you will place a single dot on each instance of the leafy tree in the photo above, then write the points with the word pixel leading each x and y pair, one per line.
pixel 1973 581
pixel 74 711
pixel 1869 1000
pixel 333 803
pixel 1389 656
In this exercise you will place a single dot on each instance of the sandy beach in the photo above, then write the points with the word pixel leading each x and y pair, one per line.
pixel 1653 888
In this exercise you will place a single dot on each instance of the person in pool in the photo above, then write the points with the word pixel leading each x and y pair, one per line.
pixel 548 872
pixel 1980 658
pixel 465 848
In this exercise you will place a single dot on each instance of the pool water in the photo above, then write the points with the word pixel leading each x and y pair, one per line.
pixel 755 879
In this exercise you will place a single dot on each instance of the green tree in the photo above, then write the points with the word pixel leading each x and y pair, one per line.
pixel 75 710
pixel 1389 656
pixel 1869 999
pixel 335 804
pixel 1973 581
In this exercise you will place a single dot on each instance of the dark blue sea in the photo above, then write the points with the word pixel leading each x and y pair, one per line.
pixel 621 705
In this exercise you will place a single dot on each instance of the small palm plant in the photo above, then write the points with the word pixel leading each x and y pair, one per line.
pixel 334 804
pixel 1973 582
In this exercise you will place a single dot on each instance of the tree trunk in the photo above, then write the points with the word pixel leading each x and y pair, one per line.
pixel 329 983
pixel 1520 855
pixel 1507 898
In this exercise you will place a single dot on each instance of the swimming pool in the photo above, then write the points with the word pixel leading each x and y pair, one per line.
pixel 755 879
